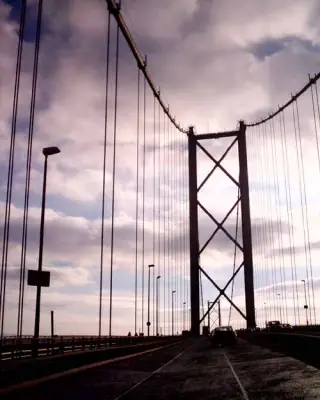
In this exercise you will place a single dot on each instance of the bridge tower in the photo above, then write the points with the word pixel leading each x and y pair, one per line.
pixel 246 248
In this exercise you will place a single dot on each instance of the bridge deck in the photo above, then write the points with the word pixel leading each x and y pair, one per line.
pixel 198 371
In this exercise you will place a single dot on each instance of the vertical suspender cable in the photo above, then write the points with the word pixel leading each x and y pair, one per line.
pixel 301 179
pixel 272 220
pixel 28 168
pixel 283 298
pixel 306 213
pixel 169 283
pixel 234 257
pixel 176 223
pixel 318 104
pixel 143 194
pixel 168 220
pixel 318 154
pixel 286 190
pixel 104 172
pixel 279 219
pixel 114 178
pixel 10 168
pixel 164 227
pixel 137 207
pixel 265 227
pixel 187 229
pixel 159 212
pixel 314 119
pixel 183 234
pixel 154 207
pixel 289 213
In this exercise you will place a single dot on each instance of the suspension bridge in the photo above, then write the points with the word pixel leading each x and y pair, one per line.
pixel 166 253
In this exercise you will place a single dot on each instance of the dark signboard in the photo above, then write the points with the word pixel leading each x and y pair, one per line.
pixel 38 278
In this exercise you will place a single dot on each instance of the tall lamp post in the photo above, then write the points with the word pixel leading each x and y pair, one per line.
pixel 47 151
pixel 173 292
pixel 305 300
pixel 148 322
pixel 157 304
pixel 184 316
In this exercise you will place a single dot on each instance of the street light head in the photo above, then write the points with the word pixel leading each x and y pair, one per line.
pixel 159 276
pixel 151 265
pixel 302 280
pixel 173 291
pixel 50 151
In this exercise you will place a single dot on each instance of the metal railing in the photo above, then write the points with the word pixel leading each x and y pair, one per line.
pixel 24 347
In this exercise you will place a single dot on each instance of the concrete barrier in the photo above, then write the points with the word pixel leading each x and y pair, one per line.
pixel 303 347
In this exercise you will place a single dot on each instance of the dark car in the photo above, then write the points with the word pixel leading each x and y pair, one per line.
pixel 274 326
pixel 224 335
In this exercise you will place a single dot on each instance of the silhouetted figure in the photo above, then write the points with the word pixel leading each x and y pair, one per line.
pixel 129 334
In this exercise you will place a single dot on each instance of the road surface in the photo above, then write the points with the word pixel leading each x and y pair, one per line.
pixel 189 370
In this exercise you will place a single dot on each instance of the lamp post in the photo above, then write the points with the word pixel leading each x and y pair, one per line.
pixel 173 292
pixel 148 322
pixel 184 316
pixel 280 311
pixel 157 304
pixel 305 300
pixel 47 151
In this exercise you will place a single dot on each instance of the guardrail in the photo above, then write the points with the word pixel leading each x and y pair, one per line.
pixel 25 347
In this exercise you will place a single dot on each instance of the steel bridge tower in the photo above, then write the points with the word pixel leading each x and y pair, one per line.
pixel 246 248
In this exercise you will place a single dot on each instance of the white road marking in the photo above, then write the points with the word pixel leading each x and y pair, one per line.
pixel 152 374
pixel 243 390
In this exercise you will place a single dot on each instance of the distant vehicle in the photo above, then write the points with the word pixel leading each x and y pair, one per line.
pixel 224 335
pixel 273 326
pixel 287 326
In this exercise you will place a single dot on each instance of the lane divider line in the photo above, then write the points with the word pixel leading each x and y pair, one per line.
pixel 73 371
pixel 243 390
pixel 152 374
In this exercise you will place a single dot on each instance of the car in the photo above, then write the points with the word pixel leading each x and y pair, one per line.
pixel 224 335
pixel 287 327
pixel 273 326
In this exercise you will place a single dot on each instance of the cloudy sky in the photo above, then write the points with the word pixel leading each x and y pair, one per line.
pixel 215 63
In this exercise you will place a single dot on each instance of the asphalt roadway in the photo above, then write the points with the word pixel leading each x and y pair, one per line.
pixel 188 370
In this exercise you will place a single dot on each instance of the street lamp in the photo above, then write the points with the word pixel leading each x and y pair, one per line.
pixel 280 311
pixel 184 316
pixel 47 151
pixel 157 304
pixel 305 297
pixel 173 292
pixel 149 323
